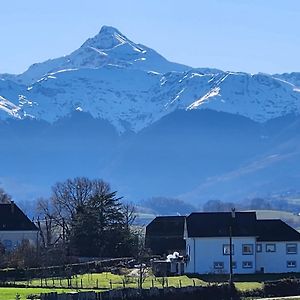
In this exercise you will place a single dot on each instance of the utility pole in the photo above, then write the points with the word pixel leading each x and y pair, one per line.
pixel 231 246
pixel 230 256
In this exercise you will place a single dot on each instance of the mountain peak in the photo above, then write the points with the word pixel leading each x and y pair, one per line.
pixel 108 37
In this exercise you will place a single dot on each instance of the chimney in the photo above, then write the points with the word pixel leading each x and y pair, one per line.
pixel 12 206
pixel 233 213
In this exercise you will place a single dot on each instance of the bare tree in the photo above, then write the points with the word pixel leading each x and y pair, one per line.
pixel 129 213
pixel 67 196
pixel 47 223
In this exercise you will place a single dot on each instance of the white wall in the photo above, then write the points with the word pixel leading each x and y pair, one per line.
pixel 16 237
pixel 210 250
pixel 276 262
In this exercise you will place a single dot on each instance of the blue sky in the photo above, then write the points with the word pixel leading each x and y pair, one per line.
pixel 239 35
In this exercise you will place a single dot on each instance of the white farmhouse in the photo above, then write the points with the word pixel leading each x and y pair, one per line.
pixel 269 246
pixel 15 227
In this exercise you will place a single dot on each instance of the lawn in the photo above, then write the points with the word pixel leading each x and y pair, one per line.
pixel 108 280
pixel 92 281
pixel 10 293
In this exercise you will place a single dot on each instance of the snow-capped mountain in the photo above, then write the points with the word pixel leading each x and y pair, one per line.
pixel 108 47
pixel 132 86
pixel 118 110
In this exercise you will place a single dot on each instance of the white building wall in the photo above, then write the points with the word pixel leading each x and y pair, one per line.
pixel 14 238
pixel 204 252
pixel 276 262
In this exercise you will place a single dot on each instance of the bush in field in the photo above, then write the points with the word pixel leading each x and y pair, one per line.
pixel 284 287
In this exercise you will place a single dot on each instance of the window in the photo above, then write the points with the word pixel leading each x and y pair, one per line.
pixel 7 244
pixel 247 249
pixel 258 247
pixel 247 264
pixel 218 265
pixel 270 248
pixel 291 264
pixel 291 248
pixel 226 249
pixel 234 265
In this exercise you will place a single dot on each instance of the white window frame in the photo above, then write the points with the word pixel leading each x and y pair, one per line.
pixel 291 264
pixel 291 245
pixel 226 249
pixel 269 247
pixel 218 265
pixel 259 248
pixel 247 264
pixel 250 248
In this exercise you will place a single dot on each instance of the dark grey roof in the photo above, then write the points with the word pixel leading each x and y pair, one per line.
pixel 165 234
pixel 276 230
pixel 167 225
pixel 217 224
pixel 13 219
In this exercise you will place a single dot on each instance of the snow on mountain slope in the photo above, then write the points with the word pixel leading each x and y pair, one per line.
pixel 259 97
pixel 8 108
pixel 132 86
pixel 293 78
pixel 109 46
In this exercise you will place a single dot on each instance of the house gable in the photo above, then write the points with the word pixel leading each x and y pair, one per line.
pixel 13 219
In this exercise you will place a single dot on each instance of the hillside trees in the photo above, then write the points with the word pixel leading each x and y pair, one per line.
pixel 89 218
pixel 168 206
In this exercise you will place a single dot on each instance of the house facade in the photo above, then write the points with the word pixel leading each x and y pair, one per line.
pixel 254 246
pixel 265 246
pixel 15 227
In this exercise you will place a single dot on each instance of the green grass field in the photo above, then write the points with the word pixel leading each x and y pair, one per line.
pixel 10 293
pixel 108 280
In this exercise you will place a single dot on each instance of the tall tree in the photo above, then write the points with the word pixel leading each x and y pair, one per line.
pixel 99 225
pixel 89 218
